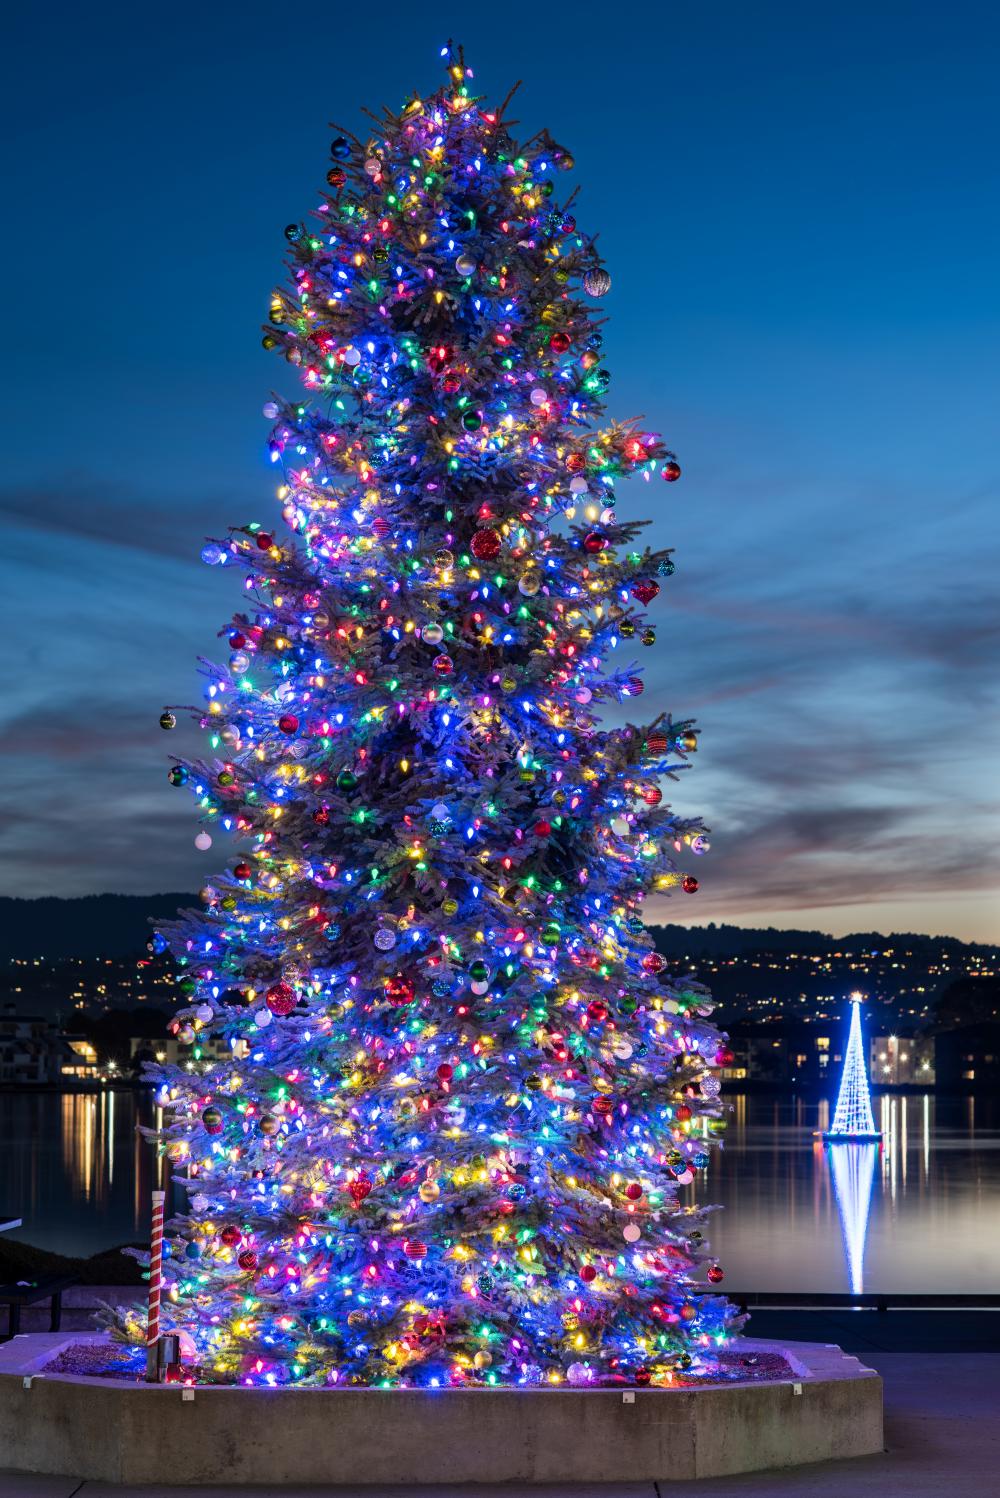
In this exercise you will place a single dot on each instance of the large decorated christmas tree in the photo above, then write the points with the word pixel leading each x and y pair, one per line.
pixel 443 1102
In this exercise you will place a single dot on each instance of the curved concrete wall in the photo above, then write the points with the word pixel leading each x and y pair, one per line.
pixel 134 1433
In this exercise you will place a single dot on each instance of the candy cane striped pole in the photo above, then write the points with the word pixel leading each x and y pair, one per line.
pixel 155 1277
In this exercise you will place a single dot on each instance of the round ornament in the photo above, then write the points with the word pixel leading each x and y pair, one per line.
pixel 700 844
pixel 486 544
pixel 280 999
pixel 443 665
pixel 432 634
pixel 203 842
pixel 672 471
pixel 269 1125
pixel 384 939
pixel 247 1260
pixel 631 1233
pixel 530 584
pixel 212 1119
pixel 179 775
pixel 715 1274
pixel 167 720
pixel 689 884
pixel 465 265
pixel 597 282
pixel 594 542
pixel 288 723
pixel 559 343
pixel 710 1086
pixel 444 559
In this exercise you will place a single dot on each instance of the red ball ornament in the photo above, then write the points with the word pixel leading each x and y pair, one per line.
pixel 414 1249
pixel 725 1057
pixel 653 962
pixel 242 871
pixel 451 383
pixel 264 541
pixel 559 342
pixel 230 1235
pixel 688 1311
pixel 542 829
pixel 444 665
pixel 603 1106
pixel 237 640
pixel 247 1259
pixel 597 1012
pixel 682 1112
pixel 715 1274
pixel 645 590
pixel 576 463
pixel 336 177
pixel 689 884
pixel 633 1191
pixel 672 471
pixel 445 1072
pixel 652 795
pixel 398 990
pixel 642 1377
pixel 593 542
pixel 280 999
pixel 656 745
pixel 288 723
pixel 588 1274
pixel 486 544
pixel 380 527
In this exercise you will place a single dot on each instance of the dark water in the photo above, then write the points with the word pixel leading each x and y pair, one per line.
pixel 921 1212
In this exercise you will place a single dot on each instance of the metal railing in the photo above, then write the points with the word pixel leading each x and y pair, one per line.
pixel 823 1300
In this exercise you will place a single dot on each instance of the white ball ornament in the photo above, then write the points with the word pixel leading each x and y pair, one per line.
pixel 204 1012
pixel 272 410
pixel 373 166
pixel 539 397
pixel 203 842
pixel 597 282
pixel 700 844
pixel 480 988
pixel 465 265
pixel 262 1017
pixel 584 695
pixel 199 1202
pixel 578 485
pixel 352 357
pixel 440 812
pixel 631 1233
pixel 432 634
pixel 685 1178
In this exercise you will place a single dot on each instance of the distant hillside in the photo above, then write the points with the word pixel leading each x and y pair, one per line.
pixel 118 926
pixel 731 941
pixel 91 926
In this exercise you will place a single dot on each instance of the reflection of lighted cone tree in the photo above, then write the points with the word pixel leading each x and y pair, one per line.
pixel 853 1117
pixel 853 1166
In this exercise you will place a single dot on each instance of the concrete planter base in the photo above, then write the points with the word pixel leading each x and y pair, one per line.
pixel 98 1429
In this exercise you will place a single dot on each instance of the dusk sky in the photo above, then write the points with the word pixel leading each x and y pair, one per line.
pixel 800 208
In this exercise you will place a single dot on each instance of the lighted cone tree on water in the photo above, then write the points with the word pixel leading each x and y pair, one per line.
pixel 461 1098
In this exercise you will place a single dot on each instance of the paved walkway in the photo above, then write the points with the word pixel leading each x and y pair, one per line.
pixel 942 1435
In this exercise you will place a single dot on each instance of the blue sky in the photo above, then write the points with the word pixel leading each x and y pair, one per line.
pixel 800 209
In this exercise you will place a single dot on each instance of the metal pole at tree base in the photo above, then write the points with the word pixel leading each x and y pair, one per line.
pixel 155 1278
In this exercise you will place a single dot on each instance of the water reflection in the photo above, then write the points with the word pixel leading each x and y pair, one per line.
pixel 853 1168
pixel 75 1169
